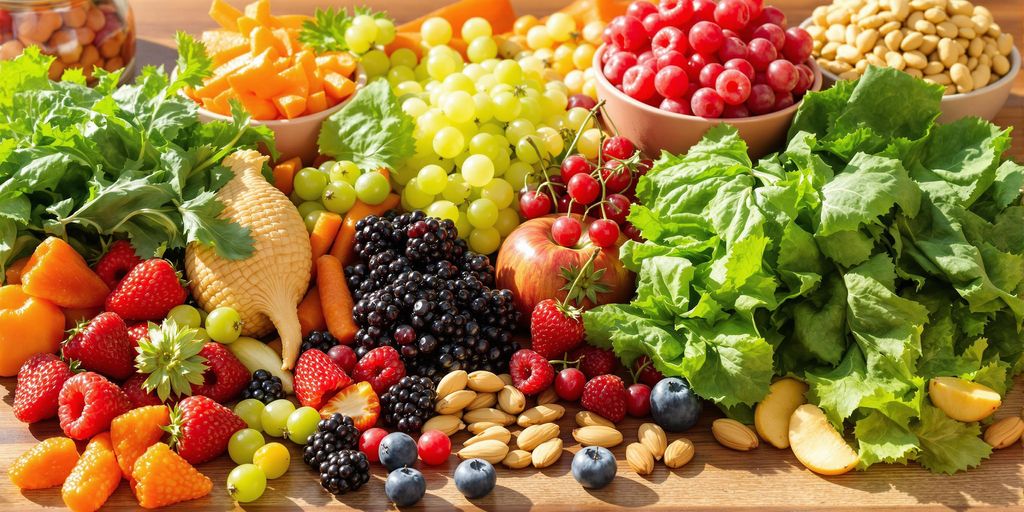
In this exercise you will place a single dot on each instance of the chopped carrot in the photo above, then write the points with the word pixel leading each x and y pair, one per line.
pixel 338 86
pixel 290 106
pixel 324 232
pixel 57 273
pixel 224 14
pixel 247 24
pixel 316 102
pixel 335 299
pixel 345 242
pixel 284 174
pixel 292 21
pixel 260 11
pixel 13 272
pixel 311 315
pixel 259 108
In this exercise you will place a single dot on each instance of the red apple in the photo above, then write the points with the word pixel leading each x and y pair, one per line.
pixel 530 264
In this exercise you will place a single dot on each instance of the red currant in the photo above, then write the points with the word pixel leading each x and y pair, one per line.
pixel 798 45
pixel 618 148
pixel 369 443
pixel 703 10
pixel 783 100
pixel 733 48
pixel 669 38
pixel 676 12
pixel 707 103
pixel 735 111
pixel 732 14
pixel 805 79
pixel 741 65
pixel 569 384
pixel 566 231
pixel 771 32
pixel 672 82
pixel 583 188
pixel 563 205
pixel 616 176
pixel 434 447
pixel 534 204
pixel 580 101
pixel 733 86
pixel 709 74
pixel 627 33
pixel 638 400
pixel 653 23
pixel 761 99
pixel 617 66
pixel 706 37
pixel 696 63
pixel 676 106
pixel 638 82
pixel 671 58
pixel 616 207
pixel 761 53
pixel 344 357
pixel 603 232
pixel 773 15
pixel 641 9
pixel 782 75
pixel 632 233
pixel 755 7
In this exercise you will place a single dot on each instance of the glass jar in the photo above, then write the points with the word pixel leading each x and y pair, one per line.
pixel 82 34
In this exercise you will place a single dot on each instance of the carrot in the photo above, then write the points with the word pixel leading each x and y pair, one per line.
pixel 284 174
pixel 324 232
pixel 311 315
pixel 585 11
pixel 335 299
pixel 347 235
pixel 499 13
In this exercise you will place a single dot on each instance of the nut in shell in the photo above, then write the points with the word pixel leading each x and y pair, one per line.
pixel 597 435
pixel 547 453
pixel 491 450
pixel 534 435
pixel 454 381
pixel 1004 432
pixel 589 419
pixel 455 401
pixel 496 433
pixel 733 434
pixel 482 401
pixel 484 382
pixel 445 423
pixel 546 413
pixel 678 453
pixel 640 459
pixel 489 415
pixel 511 400
pixel 517 459
pixel 653 438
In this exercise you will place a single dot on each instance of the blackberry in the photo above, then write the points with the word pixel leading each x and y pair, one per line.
pixel 344 471
pixel 332 435
pixel 264 387
pixel 406 406
pixel 320 340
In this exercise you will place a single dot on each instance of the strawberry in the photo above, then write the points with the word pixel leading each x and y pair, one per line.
pixel 358 402
pixel 137 332
pixel 102 346
pixel 645 371
pixel 225 376
pixel 317 377
pixel 39 382
pixel 594 361
pixel 201 428
pixel 45 465
pixel 381 367
pixel 606 396
pixel 136 430
pixel 137 395
pixel 118 261
pixel 148 292
pixel 88 402
pixel 531 372
pixel 164 478
pixel 556 328
pixel 94 478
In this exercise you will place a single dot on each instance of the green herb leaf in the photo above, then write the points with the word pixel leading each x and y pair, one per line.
pixel 371 130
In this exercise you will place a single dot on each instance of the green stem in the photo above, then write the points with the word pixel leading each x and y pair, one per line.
pixel 590 261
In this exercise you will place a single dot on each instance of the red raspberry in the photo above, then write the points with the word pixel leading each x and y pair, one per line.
pixel 137 395
pixel 381 367
pixel 116 263
pixel 531 372
pixel 605 395
pixel 39 382
pixel 594 361
pixel 225 376
pixel 88 402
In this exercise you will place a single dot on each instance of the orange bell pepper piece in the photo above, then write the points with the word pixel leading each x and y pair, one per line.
pixel 28 326
pixel 57 273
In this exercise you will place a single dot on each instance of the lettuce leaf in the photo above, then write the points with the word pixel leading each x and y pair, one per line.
pixel 370 130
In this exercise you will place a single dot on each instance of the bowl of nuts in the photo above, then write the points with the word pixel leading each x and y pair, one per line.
pixel 952 43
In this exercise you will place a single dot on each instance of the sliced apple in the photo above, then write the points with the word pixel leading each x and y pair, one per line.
pixel 963 400
pixel 817 444
pixel 771 416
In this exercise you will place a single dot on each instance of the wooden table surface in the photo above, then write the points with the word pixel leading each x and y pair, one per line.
pixel 717 477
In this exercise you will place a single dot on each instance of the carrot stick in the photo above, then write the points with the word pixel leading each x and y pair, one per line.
pixel 347 234
pixel 311 316
pixel 324 232
pixel 499 13
pixel 335 299
pixel 284 174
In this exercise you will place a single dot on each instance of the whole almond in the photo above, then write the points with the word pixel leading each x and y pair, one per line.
pixel 445 423
pixel 455 401
pixel 491 450
pixel 640 459
pixel 490 415
pixel 482 401
pixel 454 381
pixel 497 433
pixel 484 382
pixel 653 438
pixel 547 453
pixel 506 378
pixel 534 435
pixel 733 434
pixel 511 400
pixel 548 396
pixel 545 413
pixel 597 435
pixel 480 426
pixel 590 419
pixel 1004 432
pixel 678 453
pixel 517 459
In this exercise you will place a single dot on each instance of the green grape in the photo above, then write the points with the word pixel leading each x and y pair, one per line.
pixel 509 72
pixel 416 197
pixel 458 82
pixel 583 56
pixel 243 444
pixel 458 106
pixel 358 39
pixel 311 218
pixel 474 71
pixel 483 106
pixel 477 170
pixel 309 183
pixel 432 122
pixel 275 417
pixel 506 106
pixel 185 316
pixel 375 63
pixel 339 197
pixel 500 192
pixel 301 424
pixel 484 144
pixel 443 210
pixel 343 170
pixel 502 162
pixel 529 150
pixel 456 190
pixel 449 142
pixel 402 175
pixel 432 179
pixel 295 199
pixel 326 166
pixel 399 74
pixel 487 82
pixel 589 144
pixel 538 37
pixel 201 335
pixel 576 116
pixel 251 412
pixel 440 66
pixel 309 207
pixel 246 483
pixel 493 127
pixel 552 140
pixel 530 110
pixel 414 107
pixel 508 220
pixel 404 57
pixel 484 240
pixel 482 213
pixel 462 224
pixel 436 31
pixel 531 64
pixel 385 32
pixel 476 27
pixel 372 188
pixel 517 174
pixel 408 88
pixel 422 73
pixel 273 458
pixel 554 101
pixel 519 128
pixel 224 325
pixel 367 25
pixel 481 49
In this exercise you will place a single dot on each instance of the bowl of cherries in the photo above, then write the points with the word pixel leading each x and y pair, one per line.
pixel 669 72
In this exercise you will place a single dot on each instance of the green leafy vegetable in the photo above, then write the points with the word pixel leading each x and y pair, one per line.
pixel 371 130
pixel 326 31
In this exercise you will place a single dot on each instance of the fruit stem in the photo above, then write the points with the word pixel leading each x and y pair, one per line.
pixel 576 281
pixel 579 133
pixel 565 362
pixel 636 373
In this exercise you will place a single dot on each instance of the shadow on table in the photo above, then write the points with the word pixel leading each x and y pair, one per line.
pixel 152 53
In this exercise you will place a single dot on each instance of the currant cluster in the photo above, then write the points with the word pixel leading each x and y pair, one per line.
pixel 420 290
pixel 406 406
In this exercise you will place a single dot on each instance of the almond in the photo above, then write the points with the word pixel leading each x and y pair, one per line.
pixel 484 382
pixel 534 435
pixel 489 415
pixel 640 459
pixel 517 459
pixel 733 434
pixel 589 419
pixel 548 396
pixel 482 401
pixel 491 450
pixel 678 453
pixel 1004 432
pixel 455 401
pixel 653 438
pixel 545 413
pixel 497 433
pixel 454 381
pixel 597 435
pixel 445 423
pixel 511 400
pixel 480 426
pixel 506 378
pixel 547 453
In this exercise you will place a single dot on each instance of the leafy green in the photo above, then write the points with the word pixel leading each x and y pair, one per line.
pixel 876 251
pixel 326 31
pixel 371 130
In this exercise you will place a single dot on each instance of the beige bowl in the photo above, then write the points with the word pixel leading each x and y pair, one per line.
pixel 654 130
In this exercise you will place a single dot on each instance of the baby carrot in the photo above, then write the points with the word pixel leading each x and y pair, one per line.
pixel 335 299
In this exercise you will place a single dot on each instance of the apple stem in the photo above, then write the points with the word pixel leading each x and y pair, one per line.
pixel 576 281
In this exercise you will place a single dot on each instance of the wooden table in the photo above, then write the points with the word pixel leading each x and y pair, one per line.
pixel 717 477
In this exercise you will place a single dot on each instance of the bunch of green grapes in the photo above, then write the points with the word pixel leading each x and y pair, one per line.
pixel 484 130
pixel 334 187
pixel 565 49
pixel 366 36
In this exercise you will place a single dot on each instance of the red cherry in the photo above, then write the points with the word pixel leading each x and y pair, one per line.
pixel 761 100
pixel 566 231
pixel 707 103
pixel 798 45
pixel 761 52
pixel 782 75
pixel 638 400
pixel 782 100
pixel 732 14
pixel 671 58
pixel 676 106
pixel 344 357
pixel 369 443
pixel 641 9
pixel 616 207
pixel 805 80
pixel 617 66
pixel 638 82
pixel 669 38
pixel 672 82
pixel 580 101
pixel 627 33
pixel 618 148
pixel 534 204
pixel 706 37
pixel 741 65
pixel 676 12
pixel 575 164
pixel 733 48
pixel 616 176
pixel 653 23
pixel 710 73
pixel 633 233
pixel 563 205
pixel 771 32
pixel 703 10
pixel 434 447
pixel 603 232
pixel 583 188
pixel 771 14
pixel 733 86
pixel 696 63
pixel 569 384
pixel 735 111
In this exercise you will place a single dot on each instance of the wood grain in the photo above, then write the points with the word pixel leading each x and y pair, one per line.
pixel 716 478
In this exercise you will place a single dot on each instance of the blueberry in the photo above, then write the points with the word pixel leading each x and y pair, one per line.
pixel 475 478
pixel 674 406
pixel 397 450
pixel 594 467
pixel 405 487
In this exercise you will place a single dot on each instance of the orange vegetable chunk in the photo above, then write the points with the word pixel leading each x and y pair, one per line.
pixel 57 273
pixel 224 14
